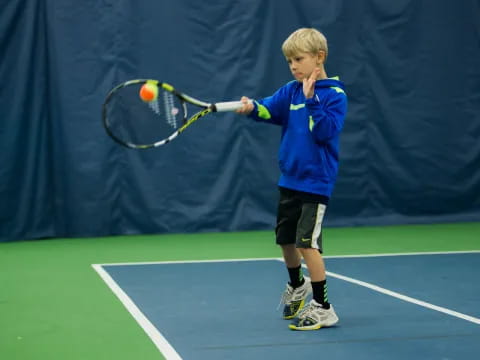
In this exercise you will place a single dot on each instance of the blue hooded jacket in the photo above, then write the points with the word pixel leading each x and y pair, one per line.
pixel 308 154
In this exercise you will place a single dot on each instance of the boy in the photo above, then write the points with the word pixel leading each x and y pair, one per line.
pixel 311 111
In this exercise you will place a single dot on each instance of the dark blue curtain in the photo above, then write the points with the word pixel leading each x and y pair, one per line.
pixel 410 149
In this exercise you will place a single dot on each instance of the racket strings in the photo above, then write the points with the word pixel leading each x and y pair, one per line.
pixel 133 121
pixel 171 111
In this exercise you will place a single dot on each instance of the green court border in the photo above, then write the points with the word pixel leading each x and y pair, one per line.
pixel 54 306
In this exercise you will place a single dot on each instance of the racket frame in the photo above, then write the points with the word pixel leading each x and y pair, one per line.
pixel 207 108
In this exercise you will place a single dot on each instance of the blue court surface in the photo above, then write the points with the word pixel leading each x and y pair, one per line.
pixel 418 306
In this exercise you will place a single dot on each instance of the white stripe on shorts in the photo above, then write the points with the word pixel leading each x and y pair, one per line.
pixel 317 230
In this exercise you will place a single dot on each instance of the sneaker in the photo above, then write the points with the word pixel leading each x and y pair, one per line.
pixel 294 298
pixel 313 317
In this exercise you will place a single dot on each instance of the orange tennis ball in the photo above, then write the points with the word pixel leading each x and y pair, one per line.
pixel 149 92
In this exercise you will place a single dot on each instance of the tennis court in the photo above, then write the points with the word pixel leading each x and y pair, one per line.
pixel 227 311
pixel 207 305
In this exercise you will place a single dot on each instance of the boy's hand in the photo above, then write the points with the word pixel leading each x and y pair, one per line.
pixel 309 83
pixel 247 107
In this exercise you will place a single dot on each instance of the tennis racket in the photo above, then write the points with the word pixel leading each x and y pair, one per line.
pixel 139 124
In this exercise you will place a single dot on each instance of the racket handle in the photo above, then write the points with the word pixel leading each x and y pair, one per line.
pixel 229 106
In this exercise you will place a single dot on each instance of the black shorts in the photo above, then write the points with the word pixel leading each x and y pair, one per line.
pixel 299 219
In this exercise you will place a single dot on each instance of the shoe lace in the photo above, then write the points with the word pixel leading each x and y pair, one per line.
pixel 308 311
pixel 286 296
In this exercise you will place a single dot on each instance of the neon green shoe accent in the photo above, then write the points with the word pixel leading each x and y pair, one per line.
pixel 293 327
pixel 291 310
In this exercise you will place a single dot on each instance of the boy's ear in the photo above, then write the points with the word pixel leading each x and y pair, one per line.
pixel 321 57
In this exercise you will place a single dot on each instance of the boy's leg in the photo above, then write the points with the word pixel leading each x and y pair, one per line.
pixel 293 261
pixel 291 255
pixel 315 264
pixel 298 288
pixel 309 243
pixel 288 213
pixel 318 313
pixel 316 268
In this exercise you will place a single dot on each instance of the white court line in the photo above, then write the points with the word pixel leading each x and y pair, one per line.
pixel 279 258
pixel 405 298
pixel 401 296
pixel 186 261
pixel 404 254
pixel 158 339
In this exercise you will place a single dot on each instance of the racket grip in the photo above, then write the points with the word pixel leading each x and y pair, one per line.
pixel 229 106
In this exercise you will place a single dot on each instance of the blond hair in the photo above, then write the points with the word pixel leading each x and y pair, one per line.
pixel 307 40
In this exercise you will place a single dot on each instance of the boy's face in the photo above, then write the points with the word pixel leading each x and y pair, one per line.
pixel 302 64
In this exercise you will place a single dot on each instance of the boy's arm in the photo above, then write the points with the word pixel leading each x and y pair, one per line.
pixel 272 109
pixel 326 121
